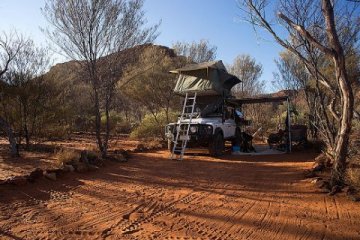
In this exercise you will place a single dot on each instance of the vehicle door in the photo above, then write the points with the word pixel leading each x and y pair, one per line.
pixel 229 123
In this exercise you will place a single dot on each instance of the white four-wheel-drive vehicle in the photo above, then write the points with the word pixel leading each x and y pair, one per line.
pixel 207 119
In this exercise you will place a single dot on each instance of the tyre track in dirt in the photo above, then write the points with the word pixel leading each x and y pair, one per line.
pixel 199 198
pixel 153 210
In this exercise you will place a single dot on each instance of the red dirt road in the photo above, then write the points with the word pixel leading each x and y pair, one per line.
pixel 151 197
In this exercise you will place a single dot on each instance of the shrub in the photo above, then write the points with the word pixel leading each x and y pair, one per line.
pixel 54 132
pixel 149 127
pixel 117 123
pixel 65 156
pixel 123 127
pixel 353 175
pixel 353 171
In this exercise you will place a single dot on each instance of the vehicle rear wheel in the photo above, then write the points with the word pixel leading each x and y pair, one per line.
pixel 217 145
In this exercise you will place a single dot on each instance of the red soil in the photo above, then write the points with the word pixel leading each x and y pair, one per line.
pixel 152 197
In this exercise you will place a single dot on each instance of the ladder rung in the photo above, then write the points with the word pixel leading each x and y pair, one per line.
pixel 182 136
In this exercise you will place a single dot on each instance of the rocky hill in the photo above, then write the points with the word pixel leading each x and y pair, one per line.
pixel 117 63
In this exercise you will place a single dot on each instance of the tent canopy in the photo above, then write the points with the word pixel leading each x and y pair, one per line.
pixel 209 78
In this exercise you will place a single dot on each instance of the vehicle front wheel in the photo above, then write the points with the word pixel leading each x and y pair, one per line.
pixel 217 145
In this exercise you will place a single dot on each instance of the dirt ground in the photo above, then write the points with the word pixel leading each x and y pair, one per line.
pixel 152 197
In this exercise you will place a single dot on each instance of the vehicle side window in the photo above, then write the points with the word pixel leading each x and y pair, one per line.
pixel 229 113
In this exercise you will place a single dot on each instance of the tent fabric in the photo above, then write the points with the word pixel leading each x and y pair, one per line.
pixel 209 78
pixel 200 66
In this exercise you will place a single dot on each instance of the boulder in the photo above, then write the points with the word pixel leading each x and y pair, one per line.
pixel 316 180
pixel 140 147
pixel 125 153
pixel 120 158
pixel 92 167
pixel 68 168
pixel 81 167
pixel 58 172
pixel 36 174
pixel 17 180
pixel 50 175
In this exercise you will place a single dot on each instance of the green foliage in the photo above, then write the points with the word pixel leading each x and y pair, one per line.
pixel 153 127
pixel 249 71
pixel 117 123
pixel 150 83
pixel 53 132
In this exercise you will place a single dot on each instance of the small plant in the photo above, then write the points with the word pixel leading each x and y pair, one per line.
pixel 353 171
pixel 65 156
pixel 353 177
pixel 151 128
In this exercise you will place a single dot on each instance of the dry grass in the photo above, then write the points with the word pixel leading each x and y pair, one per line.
pixel 353 173
pixel 66 155
pixel 154 143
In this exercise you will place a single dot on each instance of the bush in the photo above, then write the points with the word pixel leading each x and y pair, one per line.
pixel 54 132
pixel 65 156
pixel 117 123
pixel 123 127
pixel 149 127
pixel 353 172
pixel 353 175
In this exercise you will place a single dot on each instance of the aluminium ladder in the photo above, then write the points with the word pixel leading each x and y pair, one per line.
pixel 183 128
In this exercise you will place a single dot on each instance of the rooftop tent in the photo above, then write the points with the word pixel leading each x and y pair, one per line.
pixel 209 78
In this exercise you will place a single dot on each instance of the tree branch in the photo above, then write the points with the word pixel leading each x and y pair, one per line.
pixel 333 111
pixel 302 31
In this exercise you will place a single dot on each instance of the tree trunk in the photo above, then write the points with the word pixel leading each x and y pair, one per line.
pixel 107 133
pixel 342 140
pixel 347 97
pixel 7 128
pixel 98 121
pixel 26 130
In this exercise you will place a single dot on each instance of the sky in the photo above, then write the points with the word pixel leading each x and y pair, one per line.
pixel 217 21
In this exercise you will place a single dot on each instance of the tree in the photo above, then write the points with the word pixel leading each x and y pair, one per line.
pixel 10 45
pixel 249 72
pixel 196 52
pixel 151 84
pixel 86 30
pixel 292 74
pixel 25 79
pixel 319 30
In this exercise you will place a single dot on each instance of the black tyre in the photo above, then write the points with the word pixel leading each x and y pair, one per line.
pixel 217 145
